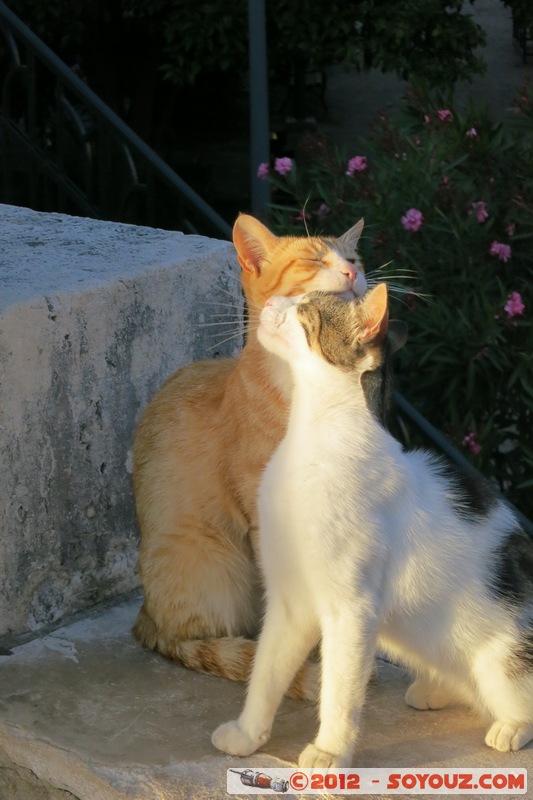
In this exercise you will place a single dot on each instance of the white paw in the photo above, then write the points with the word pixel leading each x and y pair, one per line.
pixel 505 736
pixel 231 739
pixel 313 757
pixel 424 695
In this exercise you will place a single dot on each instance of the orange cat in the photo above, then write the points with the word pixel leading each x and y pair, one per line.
pixel 199 453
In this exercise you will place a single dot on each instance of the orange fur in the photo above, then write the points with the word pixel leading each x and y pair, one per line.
pixel 199 452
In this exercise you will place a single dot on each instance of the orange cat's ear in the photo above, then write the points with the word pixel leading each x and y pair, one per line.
pixel 253 241
pixel 376 308
pixel 350 239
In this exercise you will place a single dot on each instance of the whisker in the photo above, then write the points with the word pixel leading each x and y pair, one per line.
pixel 232 314
pixel 397 293
pixel 389 279
pixel 396 286
pixel 222 290
pixel 399 271
pixel 229 338
pixel 402 301
pixel 212 324
pixel 407 273
pixel 407 290
pixel 387 264
pixel 304 217
pixel 224 305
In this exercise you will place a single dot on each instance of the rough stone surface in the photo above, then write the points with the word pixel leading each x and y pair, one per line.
pixel 93 317
pixel 86 710
pixel 17 783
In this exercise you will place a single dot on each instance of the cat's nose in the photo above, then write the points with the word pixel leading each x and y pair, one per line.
pixel 349 271
pixel 269 302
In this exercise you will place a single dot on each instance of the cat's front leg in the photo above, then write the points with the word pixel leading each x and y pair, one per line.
pixel 283 645
pixel 348 647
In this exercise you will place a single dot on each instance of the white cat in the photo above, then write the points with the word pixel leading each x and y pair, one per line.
pixel 367 547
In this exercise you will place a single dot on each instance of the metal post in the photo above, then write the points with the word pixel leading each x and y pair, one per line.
pixel 259 123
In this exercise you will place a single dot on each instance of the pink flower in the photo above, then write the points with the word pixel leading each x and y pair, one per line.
pixel 471 133
pixel 323 209
pixel 412 220
pixel 472 443
pixel 444 115
pixel 510 229
pixel 263 170
pixel 503 251
pixel 514 306
pixel 427 119
pixel 303 215
pixel 356 164
pixel 283 165
pixel 480 210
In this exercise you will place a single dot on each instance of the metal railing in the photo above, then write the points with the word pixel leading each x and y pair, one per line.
pixel 64 149
pixel 439 441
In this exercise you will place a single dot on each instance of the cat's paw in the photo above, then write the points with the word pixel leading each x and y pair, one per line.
pixel 424 695
pixel 313 757
pixel 505 736
pixel 231 739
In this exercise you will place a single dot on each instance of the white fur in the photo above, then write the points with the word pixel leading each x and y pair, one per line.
pixel 362 550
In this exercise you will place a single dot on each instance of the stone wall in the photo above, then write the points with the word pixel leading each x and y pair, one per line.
pixel 93 317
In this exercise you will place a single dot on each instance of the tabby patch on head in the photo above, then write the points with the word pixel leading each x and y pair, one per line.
pixel 350 334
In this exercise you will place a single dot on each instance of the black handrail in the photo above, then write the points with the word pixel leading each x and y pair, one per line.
pixel 97 131
pixel 439 441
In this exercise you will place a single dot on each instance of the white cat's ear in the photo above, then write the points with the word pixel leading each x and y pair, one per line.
pixel 350 239
pixel 397 334
pixel 376 308
pixel 253 241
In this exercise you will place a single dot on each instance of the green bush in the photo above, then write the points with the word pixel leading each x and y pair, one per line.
pixel 422 35
pixel 195 40
pixel 448 200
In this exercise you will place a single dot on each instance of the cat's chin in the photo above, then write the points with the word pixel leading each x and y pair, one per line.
pixel 356 290
pixel 271 341
pixel 359 285
pixel 349 294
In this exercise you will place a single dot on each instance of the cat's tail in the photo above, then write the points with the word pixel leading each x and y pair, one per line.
pixel 226 656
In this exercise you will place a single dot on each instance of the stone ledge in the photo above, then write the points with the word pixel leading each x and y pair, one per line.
pixel 89 712
pixel 93 317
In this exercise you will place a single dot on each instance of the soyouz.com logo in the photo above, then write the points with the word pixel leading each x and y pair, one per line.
pixel 377 781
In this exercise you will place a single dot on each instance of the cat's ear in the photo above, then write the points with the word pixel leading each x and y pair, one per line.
pixel 376 315
pixel 253 241
pixel 397 334
pixel 350 239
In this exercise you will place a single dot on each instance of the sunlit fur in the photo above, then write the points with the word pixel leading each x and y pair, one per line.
pixel 367 547
pixel 199 451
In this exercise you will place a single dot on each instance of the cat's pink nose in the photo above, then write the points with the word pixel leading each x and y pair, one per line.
pixel 269 302
pixel 349 271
